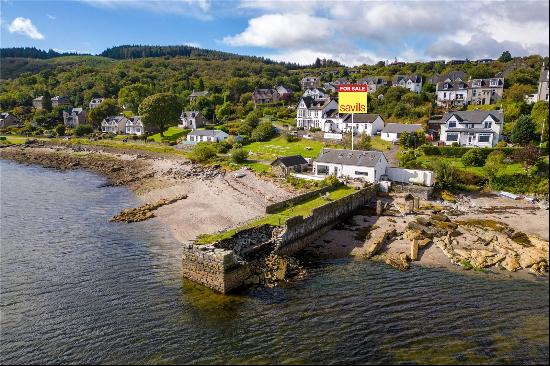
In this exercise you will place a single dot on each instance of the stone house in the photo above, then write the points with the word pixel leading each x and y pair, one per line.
pixel 366 165
pixel 543 84
pixel 191 120
pixel 8 119
pixel 262 96
pixel 206 136
pixel 95 102
pixel 310 82
pixel 198 94
pixel 114 124
pixel 282 166
pixel 60 101
pixel 392 131
pixel 74 117
pixel 38 102
pixel 485 91
pixel 472 128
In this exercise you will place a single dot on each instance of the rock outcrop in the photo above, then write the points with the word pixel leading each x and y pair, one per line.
pixel 144 212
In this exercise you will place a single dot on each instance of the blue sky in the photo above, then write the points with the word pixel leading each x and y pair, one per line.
pixel 352 32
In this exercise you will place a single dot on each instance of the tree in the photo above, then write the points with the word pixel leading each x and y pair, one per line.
pixel 539 115
pixel 517 92
pixel 131 96
pixel 159 111
pixel 60 130
pixel 493 164
pixel 47 101
pixel 505 57
pixel 523 131
pixel 105 109
pixel 446 174
pixel 223 111
pixel 82 130
pixel 263 132
pixel 527 156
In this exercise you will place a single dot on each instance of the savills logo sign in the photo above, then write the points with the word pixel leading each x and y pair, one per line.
pixel 352 98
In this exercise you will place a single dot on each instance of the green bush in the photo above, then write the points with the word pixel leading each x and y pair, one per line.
pixel 203 152
pixel 263 132
pixel 459 151
pixel 60 130
pixel 446 174
pixel 329 181
pixel 239 155
pixel 474 157
pixel 82 130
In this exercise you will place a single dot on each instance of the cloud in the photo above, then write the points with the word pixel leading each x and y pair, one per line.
pixel 352 31
pixel 50 16
pixel 199 9
pixel 24 26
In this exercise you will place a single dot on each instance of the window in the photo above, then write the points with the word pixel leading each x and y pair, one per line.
pixel 445 95
pixel 452 137
pixel 487 125
pixel 452 124
pixel 484 138
pixel 361 173
pixel 322 169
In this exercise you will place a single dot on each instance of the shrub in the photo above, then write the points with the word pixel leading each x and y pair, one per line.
pixel 474 157
pixel 203 152
pixel 263 132
pixel 446 174
pixel 523 131
pixel 60 130
pixel 239 155
pixel 82 130
pixel 470 179
pixel 223 147
pixel 329 181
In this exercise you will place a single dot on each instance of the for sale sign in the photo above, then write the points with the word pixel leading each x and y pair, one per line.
pixel 352 98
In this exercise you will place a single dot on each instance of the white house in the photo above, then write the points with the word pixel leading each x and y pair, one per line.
pixel 452 92
pixel 543 84
pixel 310 82
pixel 369 124
pixel 312 113
pixel 74 117
pixel 314 93
pixel 207 136
pixel 472 128
pixel 411 82
pixel 134 126
pixel 114 124
pixel 374 83
pixel 191 120
pixel 95 102
pixel 392 131
pixel 366 165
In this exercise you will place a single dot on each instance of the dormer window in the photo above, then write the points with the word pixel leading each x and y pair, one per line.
pixel 452 124
pixel 446 86
pixel 494 82
pixel 487 124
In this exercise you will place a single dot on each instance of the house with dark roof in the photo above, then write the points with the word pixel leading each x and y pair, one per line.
pixel 284 92
pixel 95 102
pixel 392 131
pixel 310 82
pixel 198 94
pixel 282 166
pixel 369 124
pixel 8 119
pixel 114 124
pixel 451 92
pixel 74 117
pixel 315 93
pixel 206 136
pixel 262 96
pixel 373 82
pixel 472 128
pixel 356 164
pixel 411 82
pixel 191 120
pixel 60 101
pixel 134 126
pixel 311 113
pixel 485 91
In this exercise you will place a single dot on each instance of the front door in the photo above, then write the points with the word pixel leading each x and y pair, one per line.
pixel 336 171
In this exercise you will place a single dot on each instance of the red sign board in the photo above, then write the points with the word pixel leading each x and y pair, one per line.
pixel 347 88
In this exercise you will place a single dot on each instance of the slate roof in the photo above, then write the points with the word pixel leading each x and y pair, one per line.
pixel 281 89
pixel 405 78
pixel 543 75
pixel 199 93
pixel 190 114
pixel 315 104
pixel 454 85
pixel 486 83
pixel 213 133
pixel 477 116
pixel 361 118
pixel 371 80
pixel 350 157
pixel 289 161
pixel 400 128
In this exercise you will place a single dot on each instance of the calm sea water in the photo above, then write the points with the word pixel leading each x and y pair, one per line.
pixel 76 288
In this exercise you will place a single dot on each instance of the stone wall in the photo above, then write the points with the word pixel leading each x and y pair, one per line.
pixel 225 265
pixel 279 205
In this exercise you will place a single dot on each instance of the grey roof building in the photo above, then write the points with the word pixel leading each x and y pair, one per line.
pixel 350 157
pixel 477 116
pixel 400 128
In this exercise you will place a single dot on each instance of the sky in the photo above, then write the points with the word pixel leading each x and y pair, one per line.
pixel 351 32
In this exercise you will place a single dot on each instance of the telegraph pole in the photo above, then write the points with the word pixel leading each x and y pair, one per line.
pixel 352 131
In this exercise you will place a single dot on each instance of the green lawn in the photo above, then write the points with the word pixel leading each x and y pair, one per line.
pixel 428 161
pixel 279 218
pixel 172 134
pixel 378 144
pixel 279 146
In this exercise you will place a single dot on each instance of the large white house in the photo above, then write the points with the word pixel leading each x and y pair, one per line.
pixel 369 124
pixel 114 124
pixel 392 131
pixel 314 93
pixel 311 113
pixel 411 82
pixel 452 92
pixel 472 128
pixel 134 126
pixel 366 165
pixel 207 136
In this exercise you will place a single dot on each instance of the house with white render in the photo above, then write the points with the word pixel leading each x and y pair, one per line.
pixel 472 128
pixel 311 113
pixel 366 165
pixel 369 124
